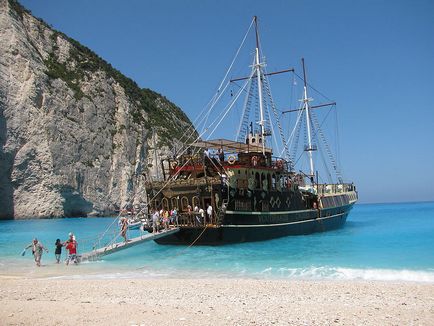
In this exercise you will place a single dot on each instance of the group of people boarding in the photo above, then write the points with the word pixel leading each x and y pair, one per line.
pixel 38 249
pixel 164 218
pixel 200 216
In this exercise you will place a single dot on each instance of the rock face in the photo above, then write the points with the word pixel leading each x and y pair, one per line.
pixel 76 136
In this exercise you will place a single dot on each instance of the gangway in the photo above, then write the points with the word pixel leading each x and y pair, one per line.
pixel 115 247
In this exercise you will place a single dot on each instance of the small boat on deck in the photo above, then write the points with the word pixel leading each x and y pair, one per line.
pixel 134 225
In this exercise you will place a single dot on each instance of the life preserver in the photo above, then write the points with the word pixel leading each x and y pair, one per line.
pixel 173 164
pixel 254 160
pixel 279 164
pixel 231 159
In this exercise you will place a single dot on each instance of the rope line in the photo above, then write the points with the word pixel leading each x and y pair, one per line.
pixel 184 249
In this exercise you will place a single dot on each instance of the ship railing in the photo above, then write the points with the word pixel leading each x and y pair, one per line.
pixel 185 219
pixel 276 163
pixel 334 188
pixel 194 219
pixel 185 182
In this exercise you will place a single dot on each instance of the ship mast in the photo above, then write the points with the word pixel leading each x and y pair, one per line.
pixel 258 66
pixel 306 108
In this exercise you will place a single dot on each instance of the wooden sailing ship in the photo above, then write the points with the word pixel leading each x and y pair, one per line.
pixel 231 191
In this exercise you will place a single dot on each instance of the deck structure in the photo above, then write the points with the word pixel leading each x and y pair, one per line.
pixel 115 247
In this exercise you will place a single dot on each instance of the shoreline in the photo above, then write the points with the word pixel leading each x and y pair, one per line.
pixel 213 302
pixel 97 270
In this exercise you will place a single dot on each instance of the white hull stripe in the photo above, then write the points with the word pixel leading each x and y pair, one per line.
pixel 269 213
pixel 283 212
pixel 280 224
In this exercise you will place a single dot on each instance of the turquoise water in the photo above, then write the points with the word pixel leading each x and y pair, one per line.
pixel 378 242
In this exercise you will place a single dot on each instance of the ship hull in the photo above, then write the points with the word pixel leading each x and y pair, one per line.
pixel 288 224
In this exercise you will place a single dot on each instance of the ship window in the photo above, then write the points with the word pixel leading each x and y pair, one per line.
pixel 174 202
pixel 257 181
pixel 165 204
pixel 195 202
pixel 253 140
pixel 184 203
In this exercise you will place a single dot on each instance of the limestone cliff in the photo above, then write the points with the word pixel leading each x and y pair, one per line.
pixel 75 134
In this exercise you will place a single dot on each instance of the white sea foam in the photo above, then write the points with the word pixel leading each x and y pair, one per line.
pixel 386 275
pixel 309 273
pixel 340 273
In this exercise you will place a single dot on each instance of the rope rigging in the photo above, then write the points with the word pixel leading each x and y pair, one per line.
pixel 279 125
pixel 206 111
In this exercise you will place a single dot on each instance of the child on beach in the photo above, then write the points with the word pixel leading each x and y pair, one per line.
pixel 37 250
pixel 58 251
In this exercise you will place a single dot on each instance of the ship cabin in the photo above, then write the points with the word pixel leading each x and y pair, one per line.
pixel 229 176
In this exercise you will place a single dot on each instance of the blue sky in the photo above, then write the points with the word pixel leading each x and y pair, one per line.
pixel 375 58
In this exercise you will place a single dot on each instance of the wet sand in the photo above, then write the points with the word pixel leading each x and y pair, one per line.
pixel 45 301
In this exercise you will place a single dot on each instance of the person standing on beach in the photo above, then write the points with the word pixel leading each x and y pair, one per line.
pixel 58 251
pixel 37 250
pixel 71 246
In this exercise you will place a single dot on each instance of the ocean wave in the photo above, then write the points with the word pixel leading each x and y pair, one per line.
pixel 308 273
pixel 341 273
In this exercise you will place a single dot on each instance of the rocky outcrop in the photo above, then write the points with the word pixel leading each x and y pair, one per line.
pixel 75 134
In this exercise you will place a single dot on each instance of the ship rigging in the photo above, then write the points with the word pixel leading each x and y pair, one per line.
pixel 252 195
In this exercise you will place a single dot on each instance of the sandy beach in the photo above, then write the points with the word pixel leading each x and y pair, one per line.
pixel 213 302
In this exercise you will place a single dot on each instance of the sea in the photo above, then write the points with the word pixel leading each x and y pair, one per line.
pixel 387 242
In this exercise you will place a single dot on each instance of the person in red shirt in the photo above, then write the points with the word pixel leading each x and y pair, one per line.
pixel 71 246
